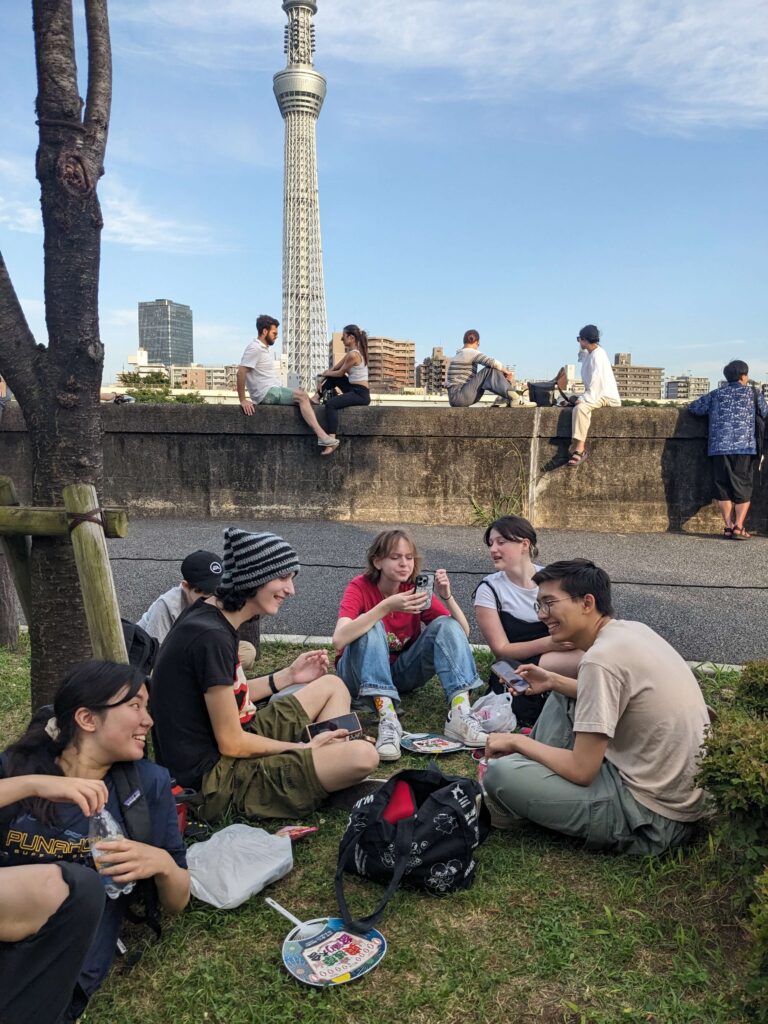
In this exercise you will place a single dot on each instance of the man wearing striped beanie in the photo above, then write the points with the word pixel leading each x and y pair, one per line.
pixel 234 753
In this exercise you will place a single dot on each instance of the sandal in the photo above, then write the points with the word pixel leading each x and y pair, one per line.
pixel 728 533
pixel 577 458
pixel 330 447
pixel 739 533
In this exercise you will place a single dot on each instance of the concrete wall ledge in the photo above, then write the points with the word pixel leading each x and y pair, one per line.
pixel 647 469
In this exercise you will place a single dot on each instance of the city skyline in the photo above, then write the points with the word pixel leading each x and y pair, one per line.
pixel 522 175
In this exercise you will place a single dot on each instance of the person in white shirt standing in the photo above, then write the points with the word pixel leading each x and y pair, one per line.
pixel 599 389
pixel 258 373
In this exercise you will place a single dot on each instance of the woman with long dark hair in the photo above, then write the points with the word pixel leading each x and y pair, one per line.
pixel 506 614
pixel 350 376
pixel 96 731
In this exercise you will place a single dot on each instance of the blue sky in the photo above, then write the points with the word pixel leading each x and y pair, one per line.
pixel 523 169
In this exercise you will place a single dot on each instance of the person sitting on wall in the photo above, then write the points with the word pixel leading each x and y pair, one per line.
pixel 384 652
pixel 200 575
pixel 471 374
pixel 506 615
pixel 600 389
pixel 613 757
pixel 350 376
pixel 208 731
pixel 62 770
pixel 732 444
pixel 258 373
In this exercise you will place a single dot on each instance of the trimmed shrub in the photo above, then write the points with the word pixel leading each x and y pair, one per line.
pixel 753 687
pixel 734 770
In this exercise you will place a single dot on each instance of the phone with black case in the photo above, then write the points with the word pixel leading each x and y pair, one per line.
pixel 349 722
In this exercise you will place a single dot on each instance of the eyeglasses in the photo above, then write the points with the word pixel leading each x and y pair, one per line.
pixel 546 606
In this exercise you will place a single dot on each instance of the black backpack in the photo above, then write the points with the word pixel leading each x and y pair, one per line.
pixel 143 904
pixel 430 848
pixel 141 647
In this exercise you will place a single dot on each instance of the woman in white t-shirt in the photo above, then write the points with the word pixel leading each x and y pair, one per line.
pixel 505 613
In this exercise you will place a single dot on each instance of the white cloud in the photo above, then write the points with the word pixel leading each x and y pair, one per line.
pixel 673 64
pixel 19 216
pixel 128 222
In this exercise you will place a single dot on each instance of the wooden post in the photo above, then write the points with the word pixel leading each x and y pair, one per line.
pixel 53 522
pixel 95 573
pixel 9 609
pixel 16 550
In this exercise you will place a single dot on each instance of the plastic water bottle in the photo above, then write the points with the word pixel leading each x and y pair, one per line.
pixel 103 826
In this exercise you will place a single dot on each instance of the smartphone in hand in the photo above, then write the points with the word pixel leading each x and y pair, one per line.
pixel 425 582
pixel 509 677
pixel 349 722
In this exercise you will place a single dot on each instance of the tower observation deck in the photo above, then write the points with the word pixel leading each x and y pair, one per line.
pixel 300 91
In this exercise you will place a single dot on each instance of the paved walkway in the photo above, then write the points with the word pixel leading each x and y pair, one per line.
pixel 707 596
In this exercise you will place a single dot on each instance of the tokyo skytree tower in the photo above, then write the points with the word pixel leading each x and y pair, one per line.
pixel 300 91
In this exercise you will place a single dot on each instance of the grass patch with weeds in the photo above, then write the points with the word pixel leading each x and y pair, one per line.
pixel 548 933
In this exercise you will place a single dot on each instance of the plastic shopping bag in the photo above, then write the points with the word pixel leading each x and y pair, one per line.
pixel 494 712
pixel 236 863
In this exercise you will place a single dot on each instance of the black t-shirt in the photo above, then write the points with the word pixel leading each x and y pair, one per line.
pixel 199 652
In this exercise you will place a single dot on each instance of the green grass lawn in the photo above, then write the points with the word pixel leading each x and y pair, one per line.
pixel 548 932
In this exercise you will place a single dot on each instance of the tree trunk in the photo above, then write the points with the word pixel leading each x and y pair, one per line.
pixel 58 386
pixel 9 608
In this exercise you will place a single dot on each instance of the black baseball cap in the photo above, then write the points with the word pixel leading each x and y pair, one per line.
pixel 202 570
pixel 590 333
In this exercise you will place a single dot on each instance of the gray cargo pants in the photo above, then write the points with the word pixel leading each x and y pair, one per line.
pixel 604 814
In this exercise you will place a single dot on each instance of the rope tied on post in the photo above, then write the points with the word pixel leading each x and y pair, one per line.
pixel 95 515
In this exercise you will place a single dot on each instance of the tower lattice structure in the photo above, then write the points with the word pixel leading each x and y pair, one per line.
pixel 300 91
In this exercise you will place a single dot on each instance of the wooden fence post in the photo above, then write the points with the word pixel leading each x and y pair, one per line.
pixel 99 596
pixel 16 550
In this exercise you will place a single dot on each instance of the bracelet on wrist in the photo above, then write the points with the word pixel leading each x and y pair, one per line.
pixel 272 686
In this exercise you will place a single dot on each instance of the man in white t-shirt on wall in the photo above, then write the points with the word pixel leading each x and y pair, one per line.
pixel 600 389
pixel 258 373
pixel 613 757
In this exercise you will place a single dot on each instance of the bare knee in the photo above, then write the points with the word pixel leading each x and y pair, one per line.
pixel 363 757
pixel 30 895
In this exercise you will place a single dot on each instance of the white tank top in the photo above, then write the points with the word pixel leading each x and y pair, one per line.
pixel 359 373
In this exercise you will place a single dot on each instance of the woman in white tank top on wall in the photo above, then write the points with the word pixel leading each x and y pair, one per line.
pixel 350 376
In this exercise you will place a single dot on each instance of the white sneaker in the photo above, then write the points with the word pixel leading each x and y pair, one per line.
pixel 462 725
pixel 388 741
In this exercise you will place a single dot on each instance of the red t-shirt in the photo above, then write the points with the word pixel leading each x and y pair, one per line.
pixel 402 628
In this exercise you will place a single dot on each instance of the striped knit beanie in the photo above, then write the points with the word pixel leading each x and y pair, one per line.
pixel 253 559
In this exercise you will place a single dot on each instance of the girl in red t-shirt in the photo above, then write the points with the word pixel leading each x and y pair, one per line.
pixel 390 642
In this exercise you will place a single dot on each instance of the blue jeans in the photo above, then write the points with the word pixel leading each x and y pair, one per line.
pixel 472 390
pixel 442 650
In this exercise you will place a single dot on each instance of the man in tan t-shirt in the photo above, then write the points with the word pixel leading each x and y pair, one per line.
pixel 613 756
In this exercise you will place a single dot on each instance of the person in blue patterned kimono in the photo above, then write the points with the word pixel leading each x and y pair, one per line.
pixel 732 444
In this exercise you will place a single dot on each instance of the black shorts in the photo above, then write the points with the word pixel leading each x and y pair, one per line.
pixel 733 477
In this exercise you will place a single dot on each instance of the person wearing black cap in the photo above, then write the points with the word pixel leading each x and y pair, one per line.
pixel 599 389
pixel 200 575
pixel 254 761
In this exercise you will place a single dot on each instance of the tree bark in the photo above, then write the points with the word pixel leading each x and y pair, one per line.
pixel 9 609
pixel 58 385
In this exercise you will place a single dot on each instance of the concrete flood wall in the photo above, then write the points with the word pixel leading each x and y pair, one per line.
pixel 647 469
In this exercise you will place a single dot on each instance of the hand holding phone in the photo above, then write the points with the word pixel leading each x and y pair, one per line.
pixel 425 584
pixel 509 677
pixel 349 722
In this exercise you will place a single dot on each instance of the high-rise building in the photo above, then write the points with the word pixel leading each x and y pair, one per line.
pixel 300 91
pixel 335 348
pixel 432 371
pixel 686 388
pixel 165 331
pixel 637 381
pixel 391 364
